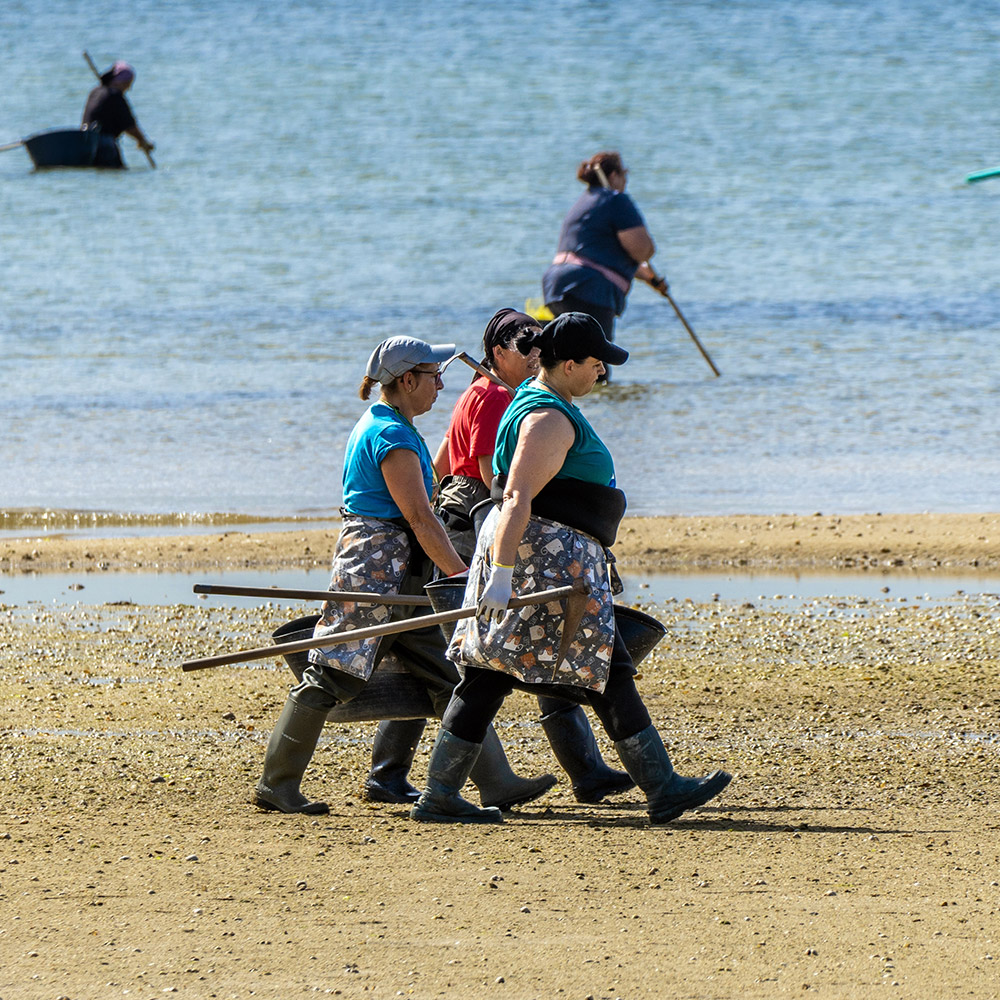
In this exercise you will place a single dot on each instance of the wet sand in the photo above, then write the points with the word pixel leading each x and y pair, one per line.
pixel 911 541
pixel 854 854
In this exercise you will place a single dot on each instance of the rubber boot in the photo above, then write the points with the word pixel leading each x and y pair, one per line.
pixel 573 742
pixel 393 749
pixel 667 793
pixel 451 761
pixel 288 754
pixel 498 785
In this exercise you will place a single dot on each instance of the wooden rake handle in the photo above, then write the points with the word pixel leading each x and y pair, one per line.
pixel 375 631
pixel 358 597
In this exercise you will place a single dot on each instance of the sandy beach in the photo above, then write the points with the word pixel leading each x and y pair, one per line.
pixel 854 855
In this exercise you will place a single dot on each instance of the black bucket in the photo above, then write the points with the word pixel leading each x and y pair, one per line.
pixel 68 147
pixel 446 595
pixel 296 631
pixel 392 692
pixel 641 632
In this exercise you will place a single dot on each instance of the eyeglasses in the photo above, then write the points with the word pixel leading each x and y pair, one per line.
pixel 423 371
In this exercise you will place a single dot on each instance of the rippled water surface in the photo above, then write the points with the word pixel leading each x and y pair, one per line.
pixel 190 338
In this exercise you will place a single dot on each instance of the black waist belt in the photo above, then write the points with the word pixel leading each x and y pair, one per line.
pixel 589 507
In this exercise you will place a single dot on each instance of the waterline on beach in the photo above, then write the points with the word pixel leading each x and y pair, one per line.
pixel 61 589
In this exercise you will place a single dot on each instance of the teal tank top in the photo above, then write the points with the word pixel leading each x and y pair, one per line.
pixel 588 458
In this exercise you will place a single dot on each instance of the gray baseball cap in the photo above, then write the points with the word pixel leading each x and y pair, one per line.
pixel 397 355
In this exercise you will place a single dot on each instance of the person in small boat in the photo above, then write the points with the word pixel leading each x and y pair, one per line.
pixel 108 111
pixel 560 511
pixel 390 542
pixel 464 462
pixel 603 245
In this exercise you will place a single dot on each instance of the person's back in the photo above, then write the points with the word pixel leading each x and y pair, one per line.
pixel 107 109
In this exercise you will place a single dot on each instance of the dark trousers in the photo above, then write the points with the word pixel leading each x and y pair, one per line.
pixel 478 698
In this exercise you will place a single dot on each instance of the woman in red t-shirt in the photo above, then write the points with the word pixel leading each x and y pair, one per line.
pixel 464 462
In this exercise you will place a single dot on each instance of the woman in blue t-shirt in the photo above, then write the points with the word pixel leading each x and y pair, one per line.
pixel 390 542
pixel 558 518
pixel 603 245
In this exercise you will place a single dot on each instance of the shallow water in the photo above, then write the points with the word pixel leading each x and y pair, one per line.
pixel 190 338
pixel 64 589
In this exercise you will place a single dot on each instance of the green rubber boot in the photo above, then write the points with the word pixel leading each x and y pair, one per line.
pixel 575 746
pixel 289 751
pixel 667 793
pixel 498 785
pixel 451 761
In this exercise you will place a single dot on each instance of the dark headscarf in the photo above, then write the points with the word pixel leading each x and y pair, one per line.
pixel 503 323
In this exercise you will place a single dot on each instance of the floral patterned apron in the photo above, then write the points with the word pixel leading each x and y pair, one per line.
pixel 525 642
pixel 371 555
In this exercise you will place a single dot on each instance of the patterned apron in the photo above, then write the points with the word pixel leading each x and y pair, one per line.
pixel 372 556
pixel 525 642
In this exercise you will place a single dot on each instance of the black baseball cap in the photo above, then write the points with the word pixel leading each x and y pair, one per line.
pixel 575 335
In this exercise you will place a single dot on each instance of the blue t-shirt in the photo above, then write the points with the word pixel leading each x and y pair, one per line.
pixel 381 430
pixel 590 230
pixel 588 458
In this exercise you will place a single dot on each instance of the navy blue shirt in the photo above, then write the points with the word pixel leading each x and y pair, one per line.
pixel 108 108
pixel 590 230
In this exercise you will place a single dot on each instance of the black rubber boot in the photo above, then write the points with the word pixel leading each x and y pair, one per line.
pixel 667 793
pixel 451 761
pixel 289 751
pixel 573 742
pixel 393 749
pixel 498 785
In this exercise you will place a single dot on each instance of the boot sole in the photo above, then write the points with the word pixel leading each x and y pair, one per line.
pixel 485 816
pixel 383 794
pixel 714 784
pixel 311 808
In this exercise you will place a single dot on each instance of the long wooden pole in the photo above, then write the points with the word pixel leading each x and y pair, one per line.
pixel 389 628
pixel 358 597
pixel 694 337
pixel 657 283
pixel 476 366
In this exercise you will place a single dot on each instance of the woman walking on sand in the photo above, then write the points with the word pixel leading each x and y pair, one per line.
pixel 391 542
pixel 559 512
pixel 465 460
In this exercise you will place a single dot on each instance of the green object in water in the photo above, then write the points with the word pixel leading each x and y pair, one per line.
pixel 981 175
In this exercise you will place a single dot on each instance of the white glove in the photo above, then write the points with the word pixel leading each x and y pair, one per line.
pixel 494 599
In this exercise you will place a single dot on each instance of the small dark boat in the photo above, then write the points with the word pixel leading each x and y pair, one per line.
pixel 63 147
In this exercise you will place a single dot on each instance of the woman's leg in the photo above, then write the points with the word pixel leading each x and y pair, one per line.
pixel 603 315
pixel 626 719
pixel 294 738
pixel 572 740
pixel 423 652
pixel 475 702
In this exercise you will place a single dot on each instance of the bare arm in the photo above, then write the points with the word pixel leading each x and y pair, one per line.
pixel 401 471
pixel 543 442
pixel 144 144
pixel 637 243
pixel 486 468
pixel 442 460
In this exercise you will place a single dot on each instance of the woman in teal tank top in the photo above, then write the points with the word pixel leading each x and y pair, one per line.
pixel 390 543
pixel 544 441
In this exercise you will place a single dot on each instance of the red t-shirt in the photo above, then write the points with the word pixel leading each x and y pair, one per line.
pixel 474 423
